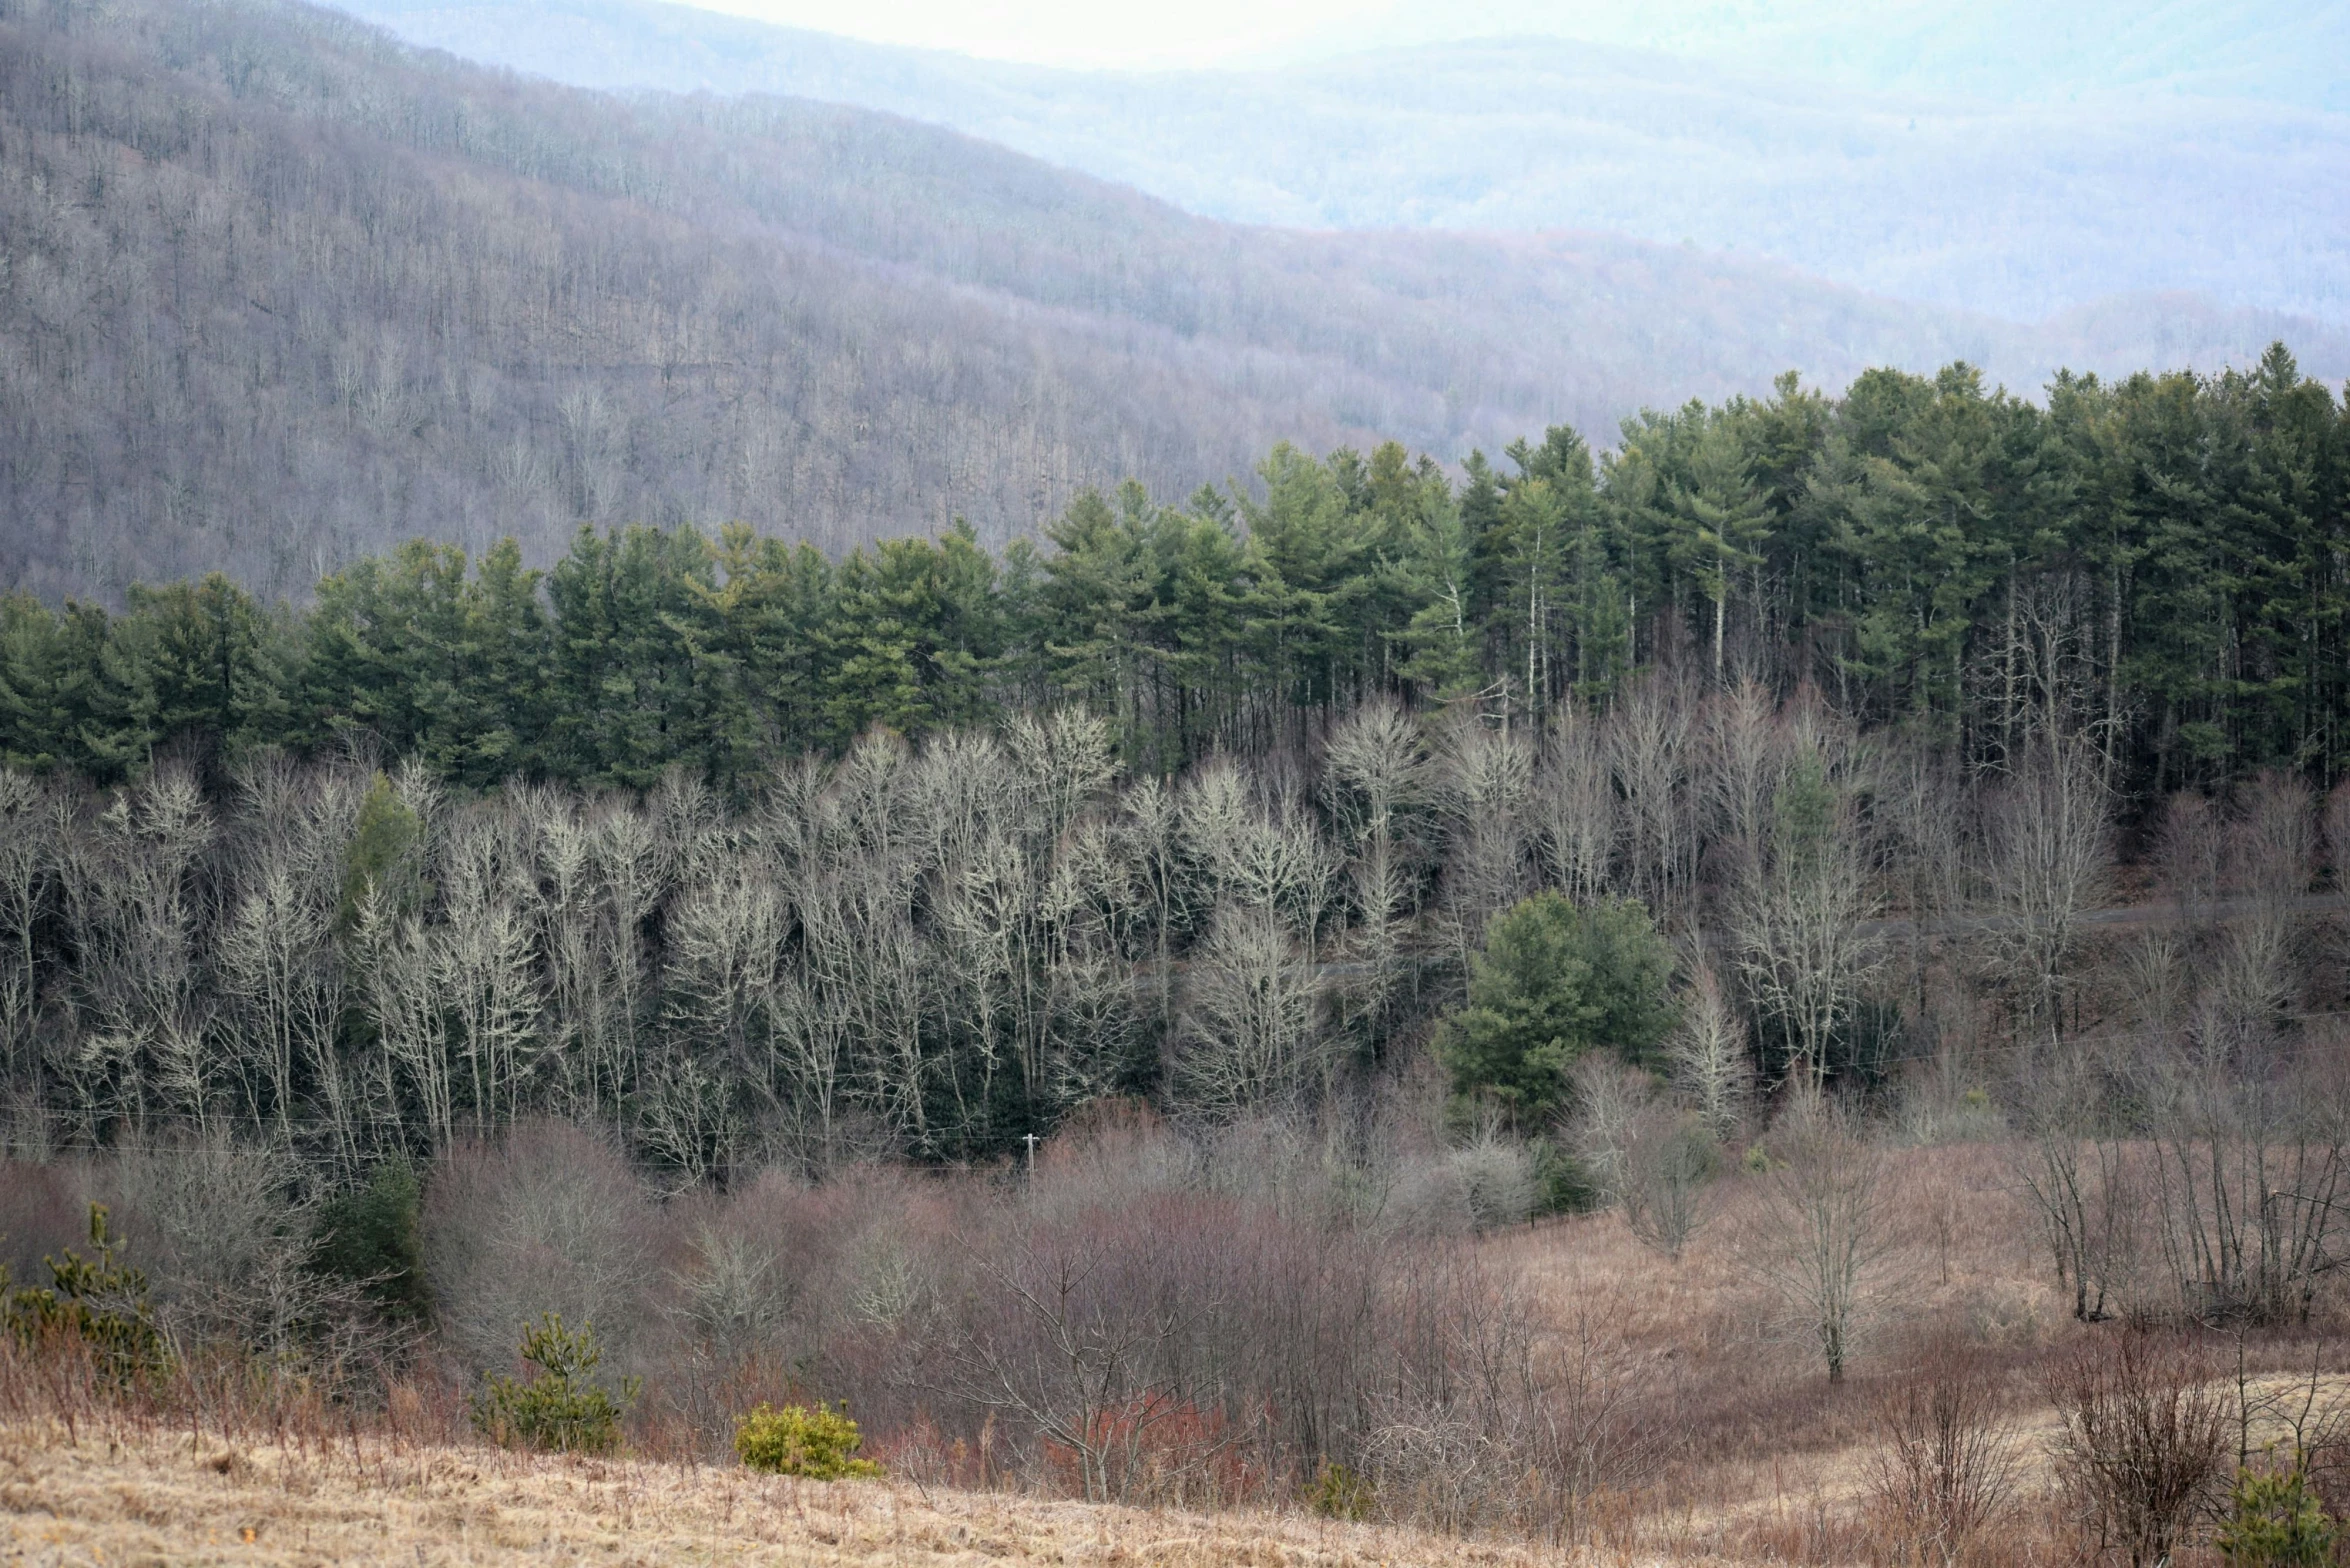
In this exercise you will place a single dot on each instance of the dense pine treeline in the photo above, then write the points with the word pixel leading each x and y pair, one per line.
pixel 2160 561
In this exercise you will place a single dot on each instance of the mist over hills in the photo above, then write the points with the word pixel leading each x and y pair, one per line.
pixel 2012 51
pixel 2013 160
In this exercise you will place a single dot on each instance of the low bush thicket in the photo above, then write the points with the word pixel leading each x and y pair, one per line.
pixel 2144 1426
pixel 1170 1316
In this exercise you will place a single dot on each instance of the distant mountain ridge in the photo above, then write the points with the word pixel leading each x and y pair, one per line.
pixel 2000 51
pixel 2020 204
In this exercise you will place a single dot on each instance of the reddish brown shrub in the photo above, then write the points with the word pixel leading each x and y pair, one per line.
pixel 2144 1429
pixel 1944 1471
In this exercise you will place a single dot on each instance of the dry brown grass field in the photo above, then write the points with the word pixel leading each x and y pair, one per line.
pixel 1743 1451
pixel 132 1494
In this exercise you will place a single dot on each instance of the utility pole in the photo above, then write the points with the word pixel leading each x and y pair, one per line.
pixel 1030 1140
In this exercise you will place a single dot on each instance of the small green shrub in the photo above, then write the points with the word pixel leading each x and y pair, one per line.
pixel 381 857
pixel 102 1302
pixel 2274 1520
pixel 1340 1493
pixel 818 1443
pixel 562 1408
pixel 373 1236
pixel 1562 1183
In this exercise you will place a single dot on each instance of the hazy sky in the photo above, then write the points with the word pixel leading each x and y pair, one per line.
pixel 1176 33
pixel 1984 48
pixel 1187 33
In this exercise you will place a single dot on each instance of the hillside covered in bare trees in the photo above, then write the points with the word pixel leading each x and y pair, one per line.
pixel 695 782
pixel 279 293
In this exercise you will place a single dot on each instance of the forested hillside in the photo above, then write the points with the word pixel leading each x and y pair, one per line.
pixel 733 782
pixel 751 851
pixel 279 292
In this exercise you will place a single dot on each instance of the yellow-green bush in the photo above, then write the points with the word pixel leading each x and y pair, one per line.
pixel 1340 1493
pixel 2275 1520
pixel 819 1443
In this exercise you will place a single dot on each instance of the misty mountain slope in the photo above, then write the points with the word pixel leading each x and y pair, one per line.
pixel 238 334
pixel 2021 205
pixel 277 291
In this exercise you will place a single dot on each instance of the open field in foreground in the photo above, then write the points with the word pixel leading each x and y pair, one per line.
pixel 133 1493
pixel 1723 1441
pixel 127 1496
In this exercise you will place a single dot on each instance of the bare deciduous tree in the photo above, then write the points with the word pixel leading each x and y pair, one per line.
pixel 1377 770
pixel 1575 802
pixel 1803 941
pixel 1253 1015
pixel 131 899
pixel 401 999
pixel 1708 1054
pixel 2271 851
pixel 1668 1157
pixel 1822 1241
pixel 1743 763
pixel 2077 1167
pixel 29 843
pixel 1648 739
pixel 1924 813
pixel 547 1217
pixel 484 965
pixel 2191 850
pixel 1487 782
pixel 2251 1172
pixel 273 957
pixel 1154 829
pixel 1083 1361
pixel 1608 1095
pixel 2046 860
